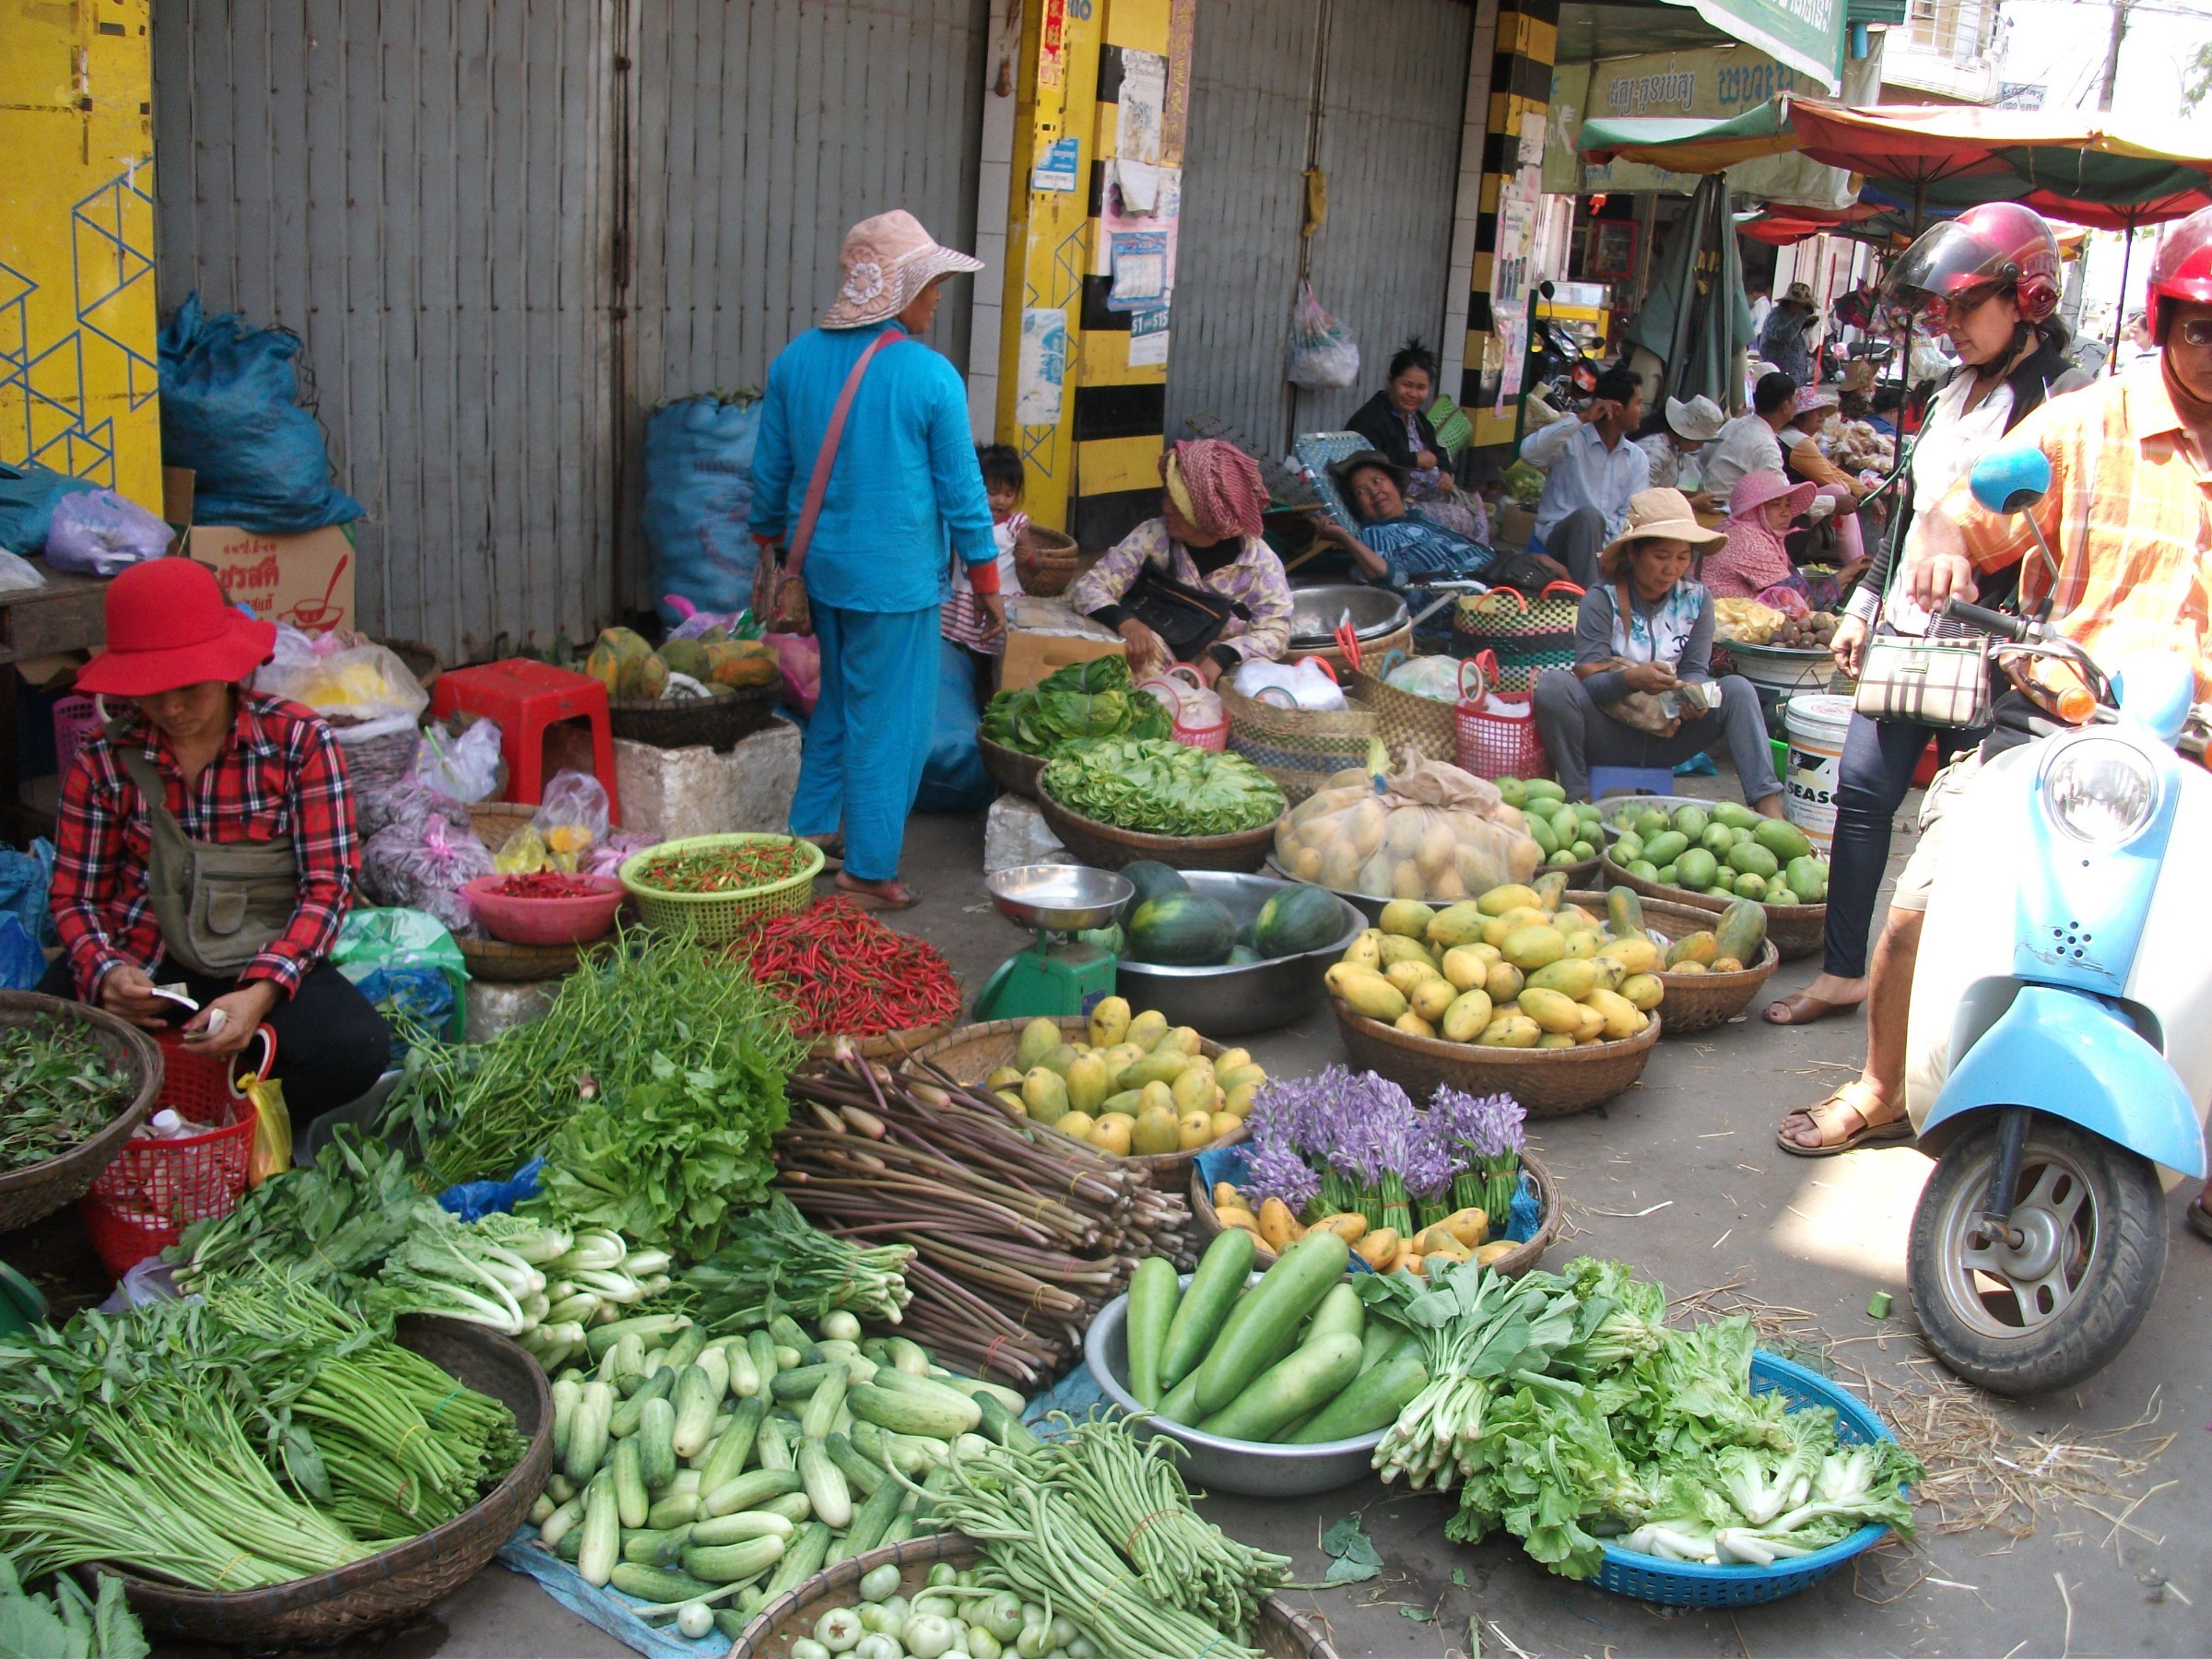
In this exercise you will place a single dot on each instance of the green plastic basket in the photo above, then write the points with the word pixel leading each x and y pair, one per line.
pixel 718 918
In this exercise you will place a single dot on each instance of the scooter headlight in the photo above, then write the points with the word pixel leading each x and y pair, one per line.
pixel 2100 790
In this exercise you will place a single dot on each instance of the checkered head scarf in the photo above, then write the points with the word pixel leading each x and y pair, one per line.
pixel 1216 486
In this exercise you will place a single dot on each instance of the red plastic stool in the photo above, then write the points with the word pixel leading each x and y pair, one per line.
pixel 525 698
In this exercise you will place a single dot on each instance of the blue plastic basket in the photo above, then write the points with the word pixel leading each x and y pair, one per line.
pixel 1693 1584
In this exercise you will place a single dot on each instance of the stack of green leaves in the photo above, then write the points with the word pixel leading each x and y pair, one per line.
pixel 60 1089
pixel 331 1224
pixel 1161 787
pixel 1082 699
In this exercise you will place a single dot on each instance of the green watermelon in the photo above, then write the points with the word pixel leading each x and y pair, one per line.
pixel 1152 879
pixel 1181 930
pixel 1243 956
pixel 1298 919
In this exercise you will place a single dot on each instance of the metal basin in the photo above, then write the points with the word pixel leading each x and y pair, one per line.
pixel 1060 898
pixel 1315 611
pixel 1229 1001
pixel 1251 1468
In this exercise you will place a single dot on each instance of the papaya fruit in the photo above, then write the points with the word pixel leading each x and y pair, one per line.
pixel 1742 927
pixel 1699 947
pixel 1620 1017
pixel 1551 1011
pixel 1463 1020
pixel 1643 990
pixel 1571 977
pixel 1408 918
pixel 1624 913
pixel 1550 888
pixel 1635 956
pixel 742 663
pixel 1583 944
pixel 1726 965
pixel 1689 968
pixel 686 656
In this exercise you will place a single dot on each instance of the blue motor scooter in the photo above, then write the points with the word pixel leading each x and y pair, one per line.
pixel 2060 1057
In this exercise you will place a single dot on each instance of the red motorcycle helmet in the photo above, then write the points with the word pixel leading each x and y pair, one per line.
pixel 2183 269
pixel 1998 243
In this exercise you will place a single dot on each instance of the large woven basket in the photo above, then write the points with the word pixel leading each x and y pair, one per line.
pixel 1550 1216
pixel 396 1584
pixel 1794 930
pixel 1282 1633
pixel 1697 1002
pixel 1105 847
pixel 1409 726
pixel 890 1045
pixel 1370 651
pixel 40 1189
pixel 1547 1082
pixel 973 1052
pixel 497 960
pixel 1301 742
pixel 1062 559
pixel 1013 771
pixel 715 723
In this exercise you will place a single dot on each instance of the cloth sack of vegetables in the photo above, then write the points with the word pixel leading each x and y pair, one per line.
pixel 1430 831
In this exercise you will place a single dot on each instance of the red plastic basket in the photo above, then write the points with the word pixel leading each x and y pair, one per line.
pixel 142 1203
pixel 74 720
pixel 1493 745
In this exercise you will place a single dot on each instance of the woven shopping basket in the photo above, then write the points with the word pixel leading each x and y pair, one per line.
pixel 1528 636
pixel 1300 748
pixel 1491 743
pixel 1411 727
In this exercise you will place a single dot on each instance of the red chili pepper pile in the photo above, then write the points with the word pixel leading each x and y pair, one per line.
pixel 847 974
pixel 724 869
pixel 546 884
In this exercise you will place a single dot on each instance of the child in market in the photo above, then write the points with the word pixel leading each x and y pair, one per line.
pixel 964 621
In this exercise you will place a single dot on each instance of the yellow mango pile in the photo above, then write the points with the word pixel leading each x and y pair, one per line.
pixel 1139 1086
pixel 1516 968
pixel 1463 1236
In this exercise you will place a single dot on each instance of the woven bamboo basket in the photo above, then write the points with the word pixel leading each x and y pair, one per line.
pixel 40 1189
pixel 1105 847
pixel 1282 1633
pixel 890 1045
pixel 1794 930
pixel 1013 771
pixel 496 820
pixel 1370 651
pixel 715 723
pixel 516 964
pixel 1547 1082
pixel 1062 560
pixel 1697 1002
pixel 1550 1216
pixel 973 1052
pixel 1304 743
pixel 1410 726
pixel 393 1585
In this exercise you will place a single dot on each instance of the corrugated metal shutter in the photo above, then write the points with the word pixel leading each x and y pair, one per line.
pixel 765 129
pixel 1393 98
pixel 424 195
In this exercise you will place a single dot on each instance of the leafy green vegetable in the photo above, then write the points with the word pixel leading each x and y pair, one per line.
pixel 69 1622
pixel 1162 788
pixel 59 1088
pixel 1082 699
pixel 778 1262
pixel 331 1224
pixel 1354 1558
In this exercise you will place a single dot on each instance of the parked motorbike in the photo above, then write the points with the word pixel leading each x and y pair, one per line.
pixel 1558 366
pixel 2059 1044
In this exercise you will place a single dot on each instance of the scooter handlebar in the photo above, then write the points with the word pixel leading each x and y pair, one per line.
pixel 1988 621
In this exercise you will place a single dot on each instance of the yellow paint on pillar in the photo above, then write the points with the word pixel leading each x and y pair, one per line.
pixel 1109 465
pixel 78 378
pixel 1140 24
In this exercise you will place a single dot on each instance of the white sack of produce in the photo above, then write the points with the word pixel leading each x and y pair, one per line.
pixel 1305 682
pixel 1015 833
pixel 1434 833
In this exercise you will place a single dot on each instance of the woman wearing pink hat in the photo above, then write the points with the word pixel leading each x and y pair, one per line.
pixel 205 838
pixel 1760 509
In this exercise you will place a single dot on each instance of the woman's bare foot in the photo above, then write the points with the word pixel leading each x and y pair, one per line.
pixel 893 894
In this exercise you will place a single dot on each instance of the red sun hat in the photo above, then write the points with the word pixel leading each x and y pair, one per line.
pixel 167 628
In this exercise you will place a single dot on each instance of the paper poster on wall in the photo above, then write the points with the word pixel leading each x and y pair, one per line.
pixel 1148 338
pixel 1140 270
pixel 1044 366
pixel 1052 46
pixel 1057 165
pixel 1142 105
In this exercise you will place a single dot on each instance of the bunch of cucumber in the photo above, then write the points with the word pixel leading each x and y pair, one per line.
pixel 1293 1358
pixel 693 1470
pixel 952 1617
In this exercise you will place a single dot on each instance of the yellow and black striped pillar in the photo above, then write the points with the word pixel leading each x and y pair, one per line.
pixel 1521 66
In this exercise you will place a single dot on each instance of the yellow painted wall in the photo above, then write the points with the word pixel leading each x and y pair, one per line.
pixel 76 242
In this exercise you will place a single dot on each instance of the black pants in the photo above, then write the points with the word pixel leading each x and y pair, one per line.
pixel 332 1044
pixel 1871 782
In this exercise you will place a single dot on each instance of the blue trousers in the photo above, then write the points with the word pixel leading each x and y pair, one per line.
pixel 870 734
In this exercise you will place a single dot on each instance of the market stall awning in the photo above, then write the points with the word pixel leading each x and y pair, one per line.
pixel 1811 44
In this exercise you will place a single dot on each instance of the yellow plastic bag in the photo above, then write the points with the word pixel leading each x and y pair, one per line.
pixel 272 1152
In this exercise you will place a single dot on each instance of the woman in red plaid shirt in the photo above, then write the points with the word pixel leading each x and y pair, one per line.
pixel 234 882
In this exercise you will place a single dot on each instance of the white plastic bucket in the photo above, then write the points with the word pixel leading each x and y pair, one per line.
pixel 1816 723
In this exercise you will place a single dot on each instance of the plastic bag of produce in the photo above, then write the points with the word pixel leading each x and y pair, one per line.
pixel 1323 352
pixel 410 799
pixel 573 814
pixel 362 681
pixel 1308 685
pixel 465 768
pixel 1434 833
pixel 1433 676
pixel 423 864
pixel 99 533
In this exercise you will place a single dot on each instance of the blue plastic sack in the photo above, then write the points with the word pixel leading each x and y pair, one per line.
pixel 699 492
pixel 28 493
pixel 230 411
pixel 419 993
pixel 22 963
pixel 953 778
pixel 474 1200
pixel 25 879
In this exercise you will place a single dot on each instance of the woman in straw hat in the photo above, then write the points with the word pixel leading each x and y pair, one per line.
pixel 205 838
pixel 866 466
pixel 1642 692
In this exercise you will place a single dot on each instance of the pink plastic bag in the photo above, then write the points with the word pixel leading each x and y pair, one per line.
pixel 1787 599
pixel 800 656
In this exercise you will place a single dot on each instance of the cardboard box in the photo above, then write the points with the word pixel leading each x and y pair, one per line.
pixel 304 579
pixel 1031 656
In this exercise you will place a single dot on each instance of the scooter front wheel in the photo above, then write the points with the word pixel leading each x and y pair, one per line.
pixel 2062 1289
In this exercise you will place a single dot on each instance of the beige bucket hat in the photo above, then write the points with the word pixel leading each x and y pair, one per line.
pixel 1657 515
pixel 1700 420
pixel 887 261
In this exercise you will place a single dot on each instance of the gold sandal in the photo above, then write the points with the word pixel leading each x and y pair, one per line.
pixel 1826 1117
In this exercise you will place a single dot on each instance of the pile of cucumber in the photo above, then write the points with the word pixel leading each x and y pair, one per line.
pixel 951 1617
pixel 1292 1359
pixel 693 1470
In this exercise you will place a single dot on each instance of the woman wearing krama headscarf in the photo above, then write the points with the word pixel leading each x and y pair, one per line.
pixel 1207 536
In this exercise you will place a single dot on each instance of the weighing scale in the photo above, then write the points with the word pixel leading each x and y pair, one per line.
pixel 1058 981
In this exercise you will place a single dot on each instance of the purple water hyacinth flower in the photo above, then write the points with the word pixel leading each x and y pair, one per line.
pixel 1484 1125
pixel 1275 1170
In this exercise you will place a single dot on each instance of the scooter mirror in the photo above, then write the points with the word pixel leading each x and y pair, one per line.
pixel 2011 479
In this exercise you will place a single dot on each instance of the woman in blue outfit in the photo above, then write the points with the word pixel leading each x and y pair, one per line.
pixel 874 506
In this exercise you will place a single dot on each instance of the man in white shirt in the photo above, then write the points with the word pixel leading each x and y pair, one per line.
pixel 1590 471
pixel 1751 442
pixel 1762 303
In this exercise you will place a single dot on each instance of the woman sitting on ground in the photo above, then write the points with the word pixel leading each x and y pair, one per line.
pixel 1642 641
pixel 1397 545
pixel 1396 423
pixel 1203 553
pixel 1760 510
pixel 1688 427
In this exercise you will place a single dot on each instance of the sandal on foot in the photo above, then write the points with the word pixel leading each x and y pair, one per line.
pixel 2200 1218
pixel 832 849
pixel 1827 1118
pixel 893 895
pixel 1802 1007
